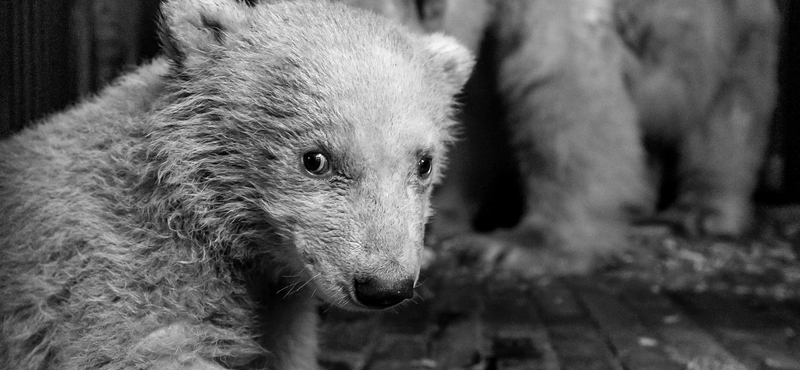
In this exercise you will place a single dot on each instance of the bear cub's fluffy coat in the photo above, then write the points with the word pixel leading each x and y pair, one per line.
pixel 188 216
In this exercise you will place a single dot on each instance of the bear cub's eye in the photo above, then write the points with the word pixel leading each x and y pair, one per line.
pixel 424 167
pixel 316 163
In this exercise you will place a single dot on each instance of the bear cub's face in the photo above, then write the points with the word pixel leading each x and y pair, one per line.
pixel 330 123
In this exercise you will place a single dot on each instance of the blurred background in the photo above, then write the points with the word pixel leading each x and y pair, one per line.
pixel 54 53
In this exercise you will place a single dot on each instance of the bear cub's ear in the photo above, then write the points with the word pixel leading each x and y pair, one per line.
pixel 193 28
pixel 453 59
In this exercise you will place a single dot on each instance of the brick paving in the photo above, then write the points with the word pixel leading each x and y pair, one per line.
pixel 671 304
pixel 552 323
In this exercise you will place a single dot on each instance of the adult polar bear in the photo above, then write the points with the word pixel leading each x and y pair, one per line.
pixel 185 217
pixel 592 93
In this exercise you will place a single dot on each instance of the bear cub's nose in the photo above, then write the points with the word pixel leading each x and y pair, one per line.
pixel 378 294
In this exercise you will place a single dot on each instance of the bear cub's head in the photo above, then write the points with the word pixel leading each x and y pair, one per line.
pixel 305 136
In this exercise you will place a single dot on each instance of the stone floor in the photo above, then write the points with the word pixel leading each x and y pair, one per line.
pixel 566 323
pixel 731 310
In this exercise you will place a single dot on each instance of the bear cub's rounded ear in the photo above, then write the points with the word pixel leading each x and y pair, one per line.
pixel 453 59
pixel 193 28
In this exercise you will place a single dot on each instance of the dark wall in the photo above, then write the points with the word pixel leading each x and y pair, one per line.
pixel 53 52
pixel 37 61
pixel 787 130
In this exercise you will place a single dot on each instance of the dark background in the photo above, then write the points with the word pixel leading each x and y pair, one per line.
pixel 54 52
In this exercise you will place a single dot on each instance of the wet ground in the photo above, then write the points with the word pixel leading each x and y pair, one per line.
pixel 671 303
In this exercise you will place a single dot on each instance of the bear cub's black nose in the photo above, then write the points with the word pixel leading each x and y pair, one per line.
pixel 378 294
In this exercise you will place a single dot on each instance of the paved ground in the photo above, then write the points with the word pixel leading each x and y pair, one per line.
pixel 723 312
pixel 566 323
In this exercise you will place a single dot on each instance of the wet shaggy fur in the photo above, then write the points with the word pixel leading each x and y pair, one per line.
pixel 588 109
pixel 170 222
